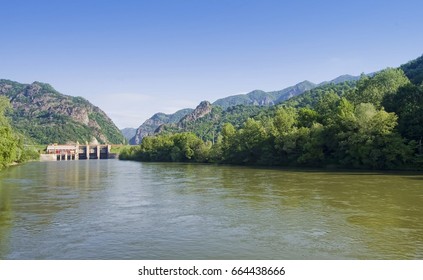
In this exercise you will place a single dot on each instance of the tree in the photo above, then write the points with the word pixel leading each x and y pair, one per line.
pixel 284 120
pixel 373 90
pixel 10 144
pixel 327 106
pixel 252 138
pixel 313 146
pixel 369 140
pixel 407 103
pixel 307 117
pixel 228 143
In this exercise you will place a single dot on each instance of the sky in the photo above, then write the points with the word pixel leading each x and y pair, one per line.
pixel 137 58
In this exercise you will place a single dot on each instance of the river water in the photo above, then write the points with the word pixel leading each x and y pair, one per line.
pixel 110 209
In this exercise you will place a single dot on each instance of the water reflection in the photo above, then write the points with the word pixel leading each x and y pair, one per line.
pixel 127 210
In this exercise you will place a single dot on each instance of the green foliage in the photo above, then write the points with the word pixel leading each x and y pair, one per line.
pixel 11 144
pixel 311 97
pixel 414 70
pixel 47 116
pixel 109 130
pixel 408 105
pixel 62 130
pixel 338 125
pixel 373 90
pixel 208 127
pixel 262 98
pixel 182 147
pixel 369 140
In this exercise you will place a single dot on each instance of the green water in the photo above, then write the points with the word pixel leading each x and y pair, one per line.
pixel 110 209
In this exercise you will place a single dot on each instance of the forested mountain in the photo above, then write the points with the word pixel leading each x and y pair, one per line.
pixel 262 98
pixel 342 79
pixel 414 70
pixel 208 126
pixel 150 125
pixel 207 120
pixel 47 116
pixel 235 109
pixel 12 145
pixel 374 122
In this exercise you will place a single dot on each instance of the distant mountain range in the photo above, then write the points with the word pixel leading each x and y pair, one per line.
pixel 237 108
pixel 262 98
pixel 253 98
pixel 46 116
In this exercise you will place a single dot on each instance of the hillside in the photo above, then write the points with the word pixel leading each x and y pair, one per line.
pixel 47 116
pixel 262 98
pixel 375 122
pixel 414 70
pixel 207 120
pixel 150 125
pixel 236 109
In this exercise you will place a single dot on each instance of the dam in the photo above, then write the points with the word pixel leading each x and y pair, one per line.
pixel 77 152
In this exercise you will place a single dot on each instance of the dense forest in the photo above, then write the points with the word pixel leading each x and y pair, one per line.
pixel 12 148
pixel 373 123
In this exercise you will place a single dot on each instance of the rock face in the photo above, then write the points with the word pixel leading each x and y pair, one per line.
pixel 152 124
pixel 202 109
pixel 47 116
pixel 159 122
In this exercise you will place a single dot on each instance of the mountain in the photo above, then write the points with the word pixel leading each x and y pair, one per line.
pixel 187 121
pixel 207 120
pixel 150 125
pixel 47 116
pixel 262 98
pixel 292 91
pixel 128 132
pixel 235 109
pixel 342 79
pixel 200 111
pixel 414 70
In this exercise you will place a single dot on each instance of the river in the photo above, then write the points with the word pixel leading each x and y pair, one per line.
pixel 111 209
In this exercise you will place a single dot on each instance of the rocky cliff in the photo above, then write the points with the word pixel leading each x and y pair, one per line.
pixel 200 111
pixel 47 116
pixel 152 124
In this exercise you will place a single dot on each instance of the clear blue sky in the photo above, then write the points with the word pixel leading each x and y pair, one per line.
pixel 136 58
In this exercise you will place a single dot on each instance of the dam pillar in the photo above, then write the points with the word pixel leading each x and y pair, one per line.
pixel 87 151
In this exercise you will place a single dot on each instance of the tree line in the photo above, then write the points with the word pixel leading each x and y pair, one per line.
pixel 377 124
pixel 12 149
